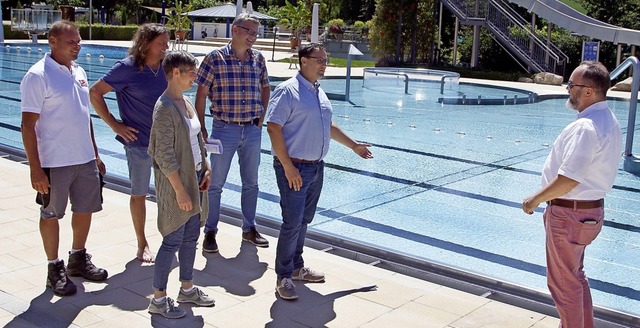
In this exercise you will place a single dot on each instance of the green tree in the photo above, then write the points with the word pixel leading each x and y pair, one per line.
pixel 200 4
pixel 129 10
pixel 350 10
pixel 299 17
pixel 176 20
pixel 620 13
pixel 402 31
pixel 75 3
pixel 368 9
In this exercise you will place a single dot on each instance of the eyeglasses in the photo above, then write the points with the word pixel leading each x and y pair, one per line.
pixel 321 61
pixel 570 85
pixel 249 31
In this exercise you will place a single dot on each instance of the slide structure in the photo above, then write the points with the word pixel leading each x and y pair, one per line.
pixel 513 32
pixel 566 17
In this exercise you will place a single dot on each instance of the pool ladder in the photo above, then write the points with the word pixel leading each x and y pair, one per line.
pixel 177 44
pixel 631 162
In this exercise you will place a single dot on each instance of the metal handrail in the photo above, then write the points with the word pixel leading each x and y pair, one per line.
pixel 377 71
pixel 495 14
pixel 179 44
pixel 631 163
pixel 467 9
pixel 403 72
pixel 515 15
pixel 500 19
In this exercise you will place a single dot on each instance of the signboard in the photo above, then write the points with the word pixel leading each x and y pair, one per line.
pixel 590 50
pixel 207 30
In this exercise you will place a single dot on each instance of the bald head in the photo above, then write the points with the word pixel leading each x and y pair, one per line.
pixel 60 27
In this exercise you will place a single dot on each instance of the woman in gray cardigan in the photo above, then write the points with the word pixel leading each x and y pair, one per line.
pixel 182 177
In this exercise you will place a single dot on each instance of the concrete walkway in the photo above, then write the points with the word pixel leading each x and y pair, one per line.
pixel 241 278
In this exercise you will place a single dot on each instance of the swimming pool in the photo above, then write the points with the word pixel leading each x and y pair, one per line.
pixel 445 185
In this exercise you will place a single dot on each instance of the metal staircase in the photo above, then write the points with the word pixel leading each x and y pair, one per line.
pixel 469 12
pixel 512 32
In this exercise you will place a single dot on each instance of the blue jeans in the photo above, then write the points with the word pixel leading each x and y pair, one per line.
pixel 246 141
pixel 139 164
pixel 184 241
pixel 298 209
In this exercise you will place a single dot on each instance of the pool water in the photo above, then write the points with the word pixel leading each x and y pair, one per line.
pixel 421 91
pixel 445 185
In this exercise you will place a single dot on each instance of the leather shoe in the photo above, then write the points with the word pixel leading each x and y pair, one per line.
pixel 209 244
pixel 254 237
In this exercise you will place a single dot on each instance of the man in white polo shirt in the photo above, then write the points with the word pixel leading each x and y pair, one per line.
pixel 63 158
pixel 577 174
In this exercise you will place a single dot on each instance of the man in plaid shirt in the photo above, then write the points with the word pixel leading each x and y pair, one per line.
pixel 235 80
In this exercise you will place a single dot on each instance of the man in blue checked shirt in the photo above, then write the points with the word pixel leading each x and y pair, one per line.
pixel 235 80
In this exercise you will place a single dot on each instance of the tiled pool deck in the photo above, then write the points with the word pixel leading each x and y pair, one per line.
pixel 241 278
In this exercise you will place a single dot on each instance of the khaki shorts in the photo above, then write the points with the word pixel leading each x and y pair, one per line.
pixel 78 183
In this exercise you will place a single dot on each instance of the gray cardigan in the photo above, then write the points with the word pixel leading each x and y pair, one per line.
pixel 170 151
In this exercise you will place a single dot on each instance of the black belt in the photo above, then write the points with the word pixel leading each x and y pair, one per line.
pixel 577 204
pixel 243 123
pixel 297 160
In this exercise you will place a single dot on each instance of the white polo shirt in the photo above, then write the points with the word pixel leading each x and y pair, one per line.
pixel 588 151
pixel 61 98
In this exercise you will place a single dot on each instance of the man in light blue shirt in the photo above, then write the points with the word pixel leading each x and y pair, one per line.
pixel 300 127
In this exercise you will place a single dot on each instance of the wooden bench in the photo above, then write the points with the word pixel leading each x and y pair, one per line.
pixel 293 60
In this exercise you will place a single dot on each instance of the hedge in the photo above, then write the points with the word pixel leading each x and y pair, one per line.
pixel 11 35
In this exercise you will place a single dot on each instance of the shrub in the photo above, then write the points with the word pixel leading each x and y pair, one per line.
pixel 17 35
pixel 336 22
pixel 359 24
pixel 108 32
pixel 284 22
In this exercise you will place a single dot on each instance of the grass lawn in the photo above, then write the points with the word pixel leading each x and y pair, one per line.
pixel 575 4
pixel 342 62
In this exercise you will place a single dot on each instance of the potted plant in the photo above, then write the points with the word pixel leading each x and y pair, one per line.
pixel 299 17
pixel 360 34
pixel 178 21
pixel 336 28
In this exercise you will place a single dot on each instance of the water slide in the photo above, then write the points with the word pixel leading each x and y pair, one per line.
pixel 566 17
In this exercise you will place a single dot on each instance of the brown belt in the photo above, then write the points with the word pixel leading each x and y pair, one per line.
pixel 297 160
pixel 577 204
pixel 241 123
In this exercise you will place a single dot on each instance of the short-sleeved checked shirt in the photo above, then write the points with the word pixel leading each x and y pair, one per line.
pixel 234 86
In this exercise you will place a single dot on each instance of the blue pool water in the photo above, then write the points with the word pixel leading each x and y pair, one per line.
pixel 445 185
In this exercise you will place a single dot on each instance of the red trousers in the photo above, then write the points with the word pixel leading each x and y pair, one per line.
pixel 568 233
